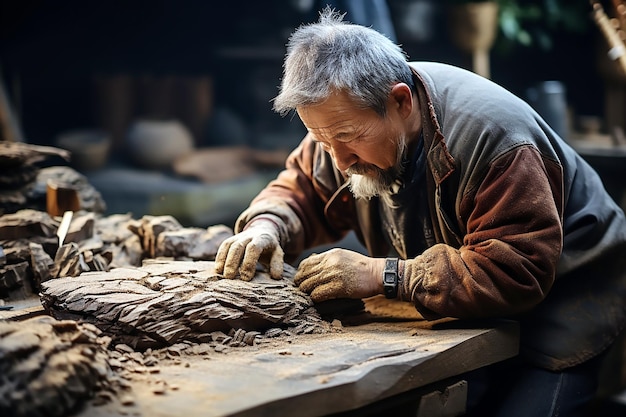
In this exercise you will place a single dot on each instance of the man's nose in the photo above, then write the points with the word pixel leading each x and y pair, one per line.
pixel 343 157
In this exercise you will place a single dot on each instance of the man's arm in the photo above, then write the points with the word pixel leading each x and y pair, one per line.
pixel 513 241
pixel 288 215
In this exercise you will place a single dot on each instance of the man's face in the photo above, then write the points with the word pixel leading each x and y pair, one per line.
pixel 365 146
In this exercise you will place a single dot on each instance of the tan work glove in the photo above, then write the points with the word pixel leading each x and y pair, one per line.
pixel 339 273
pixel 259 242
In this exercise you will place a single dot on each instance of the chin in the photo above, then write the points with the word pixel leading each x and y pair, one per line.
pixel 366 187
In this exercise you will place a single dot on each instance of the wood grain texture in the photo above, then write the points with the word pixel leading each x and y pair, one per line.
pixel 164 302
pixel 320 374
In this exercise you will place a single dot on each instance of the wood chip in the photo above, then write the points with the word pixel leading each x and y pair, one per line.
pixel 46 369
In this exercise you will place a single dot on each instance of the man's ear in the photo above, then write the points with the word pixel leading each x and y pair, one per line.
pixel 401 98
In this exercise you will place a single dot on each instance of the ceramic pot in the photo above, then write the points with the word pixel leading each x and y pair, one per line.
pixel 156 144
pixel 474 27
pixel 89 148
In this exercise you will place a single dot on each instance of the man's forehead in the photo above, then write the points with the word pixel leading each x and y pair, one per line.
pixel 332 112
pixel 329 124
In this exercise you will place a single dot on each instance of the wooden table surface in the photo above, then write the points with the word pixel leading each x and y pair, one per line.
pixel 314 375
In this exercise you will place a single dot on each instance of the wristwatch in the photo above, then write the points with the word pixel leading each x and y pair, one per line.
pixel 390 278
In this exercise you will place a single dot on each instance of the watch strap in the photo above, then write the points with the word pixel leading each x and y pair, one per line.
pixel 390 278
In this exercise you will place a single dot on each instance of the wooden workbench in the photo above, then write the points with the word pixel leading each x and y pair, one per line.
pixel 373 358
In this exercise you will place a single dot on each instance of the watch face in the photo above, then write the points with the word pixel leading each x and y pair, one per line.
pixel 389 278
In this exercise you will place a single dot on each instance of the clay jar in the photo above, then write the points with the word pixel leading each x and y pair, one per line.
pixel 89 148
pixel 155 144
pixel 474 27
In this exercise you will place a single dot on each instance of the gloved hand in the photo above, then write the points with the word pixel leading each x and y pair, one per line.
pixel 340 273
pixel 259 242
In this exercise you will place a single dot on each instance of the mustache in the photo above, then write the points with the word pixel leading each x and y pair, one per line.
pixel 359 169
pixel 373 171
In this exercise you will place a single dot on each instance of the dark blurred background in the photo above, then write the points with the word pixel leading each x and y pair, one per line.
pixel 215 66
pixel 55 56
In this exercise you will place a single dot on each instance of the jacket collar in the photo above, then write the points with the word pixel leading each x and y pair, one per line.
pixel 440 162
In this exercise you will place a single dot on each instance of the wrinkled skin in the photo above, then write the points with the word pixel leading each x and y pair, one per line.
pixel 339 273
pixel 239 254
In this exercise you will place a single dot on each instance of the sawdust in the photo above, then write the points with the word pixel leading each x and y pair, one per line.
pixel 134 373
pixel 175 371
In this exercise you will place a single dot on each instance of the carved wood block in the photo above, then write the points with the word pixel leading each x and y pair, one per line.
pixel 164 302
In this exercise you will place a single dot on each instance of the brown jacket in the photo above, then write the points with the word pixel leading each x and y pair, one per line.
pixel 519 225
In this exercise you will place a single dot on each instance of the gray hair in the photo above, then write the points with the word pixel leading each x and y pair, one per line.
pixel 333 55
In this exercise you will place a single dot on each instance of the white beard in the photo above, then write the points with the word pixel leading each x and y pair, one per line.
pixel 366 187
pixel 379 184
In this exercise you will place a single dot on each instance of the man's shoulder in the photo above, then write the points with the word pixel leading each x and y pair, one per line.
pixel 436 67
pixel 438 77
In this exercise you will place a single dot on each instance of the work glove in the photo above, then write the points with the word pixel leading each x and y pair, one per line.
pixel 239 254
pixel 338 273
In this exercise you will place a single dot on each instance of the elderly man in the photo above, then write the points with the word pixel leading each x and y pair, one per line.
pixel 469 205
